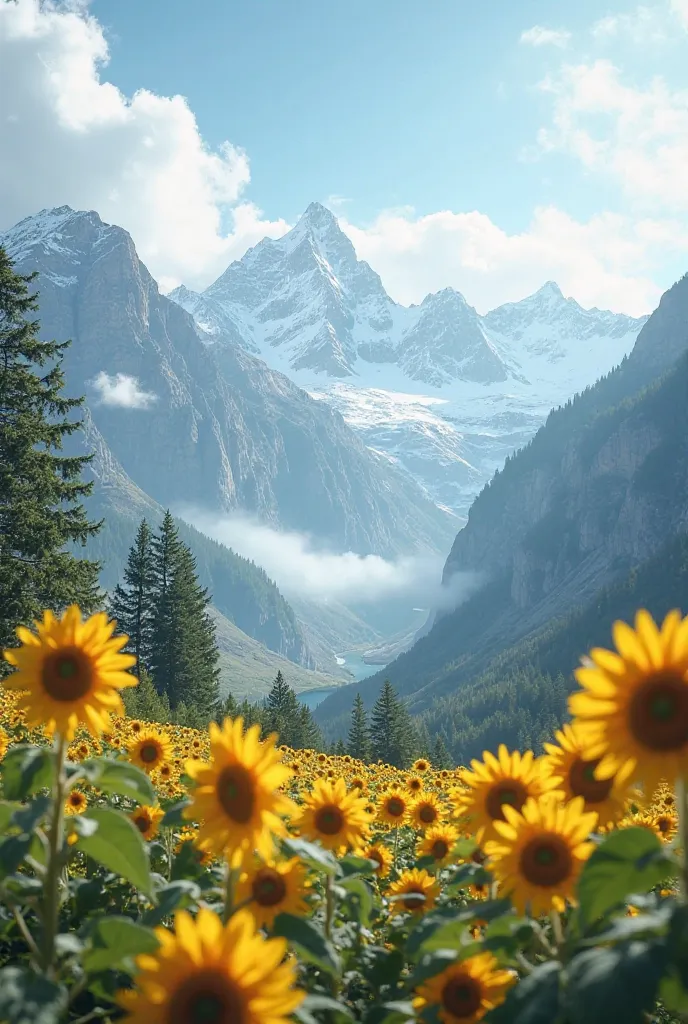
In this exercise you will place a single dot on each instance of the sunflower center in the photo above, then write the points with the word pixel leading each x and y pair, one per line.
pixel 142 822
pixel 658 712
pixel 236 793
pixel 329 820
pixel 427 814
pixel 376 856
pixel 439 849
pixel 546 860
pixel 583 782
pixel 462 996
pixel 268 887
pixel 395 807
pixel 478 857
pixel 67 674
pixel 507 791
pixel 150 752
pixel 207 998
pixel 415 899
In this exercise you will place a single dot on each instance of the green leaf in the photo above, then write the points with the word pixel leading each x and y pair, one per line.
pixel 308 941
pixel 360 899
pixel 624 928
pixel 614 983
pixel 353 865
pixel 332 1009
pixel 397 1011
pixel 446 927
pixel 677 943
pixel 175 895
pixel 174 815
pixel 7 811
pixel 28 998
pixel 431 964
pixel 385 968
pixel 114 940
pixel 673 994
pixel 469 874
pixel 13 850
pixel 534 1000
pixel 28 816
pixel 120 777
pixel 630 860
pixel 312 854
pixel 26 769
pixel 117 845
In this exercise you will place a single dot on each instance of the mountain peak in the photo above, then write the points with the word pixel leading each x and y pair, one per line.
pixel 550 288
pixel 316 213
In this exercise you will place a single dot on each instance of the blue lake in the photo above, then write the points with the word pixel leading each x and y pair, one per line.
pixel 358 668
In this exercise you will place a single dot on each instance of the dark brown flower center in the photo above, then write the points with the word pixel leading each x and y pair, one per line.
pixel 546 860
pixel 208 997
pixel 377 857
pixel 583 782
pixel 462 996
pixel 506 791
pixel 658 712
pixel 329 820
pixel 427 814
pixel 236 793
pixel 415 784
pixel 395 806
pixel 478 857
pixel 416 899
pixel 67 674
pixel 268 887
pixel 439 849
pixel 142 822
pixel 150 752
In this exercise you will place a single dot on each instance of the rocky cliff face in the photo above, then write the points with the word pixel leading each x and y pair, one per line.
pixel 203 424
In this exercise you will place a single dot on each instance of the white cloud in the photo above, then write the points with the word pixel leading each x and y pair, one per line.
pixel 680 9
pixel 299 568
pixel 638 135
pixel 605 261
pixel 643 25
pixel 71 137
pixel 122 390
pixel 539 36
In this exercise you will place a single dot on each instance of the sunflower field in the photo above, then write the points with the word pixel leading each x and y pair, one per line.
pixel 160 875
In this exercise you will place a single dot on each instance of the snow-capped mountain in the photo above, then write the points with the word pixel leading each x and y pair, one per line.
pixel 441 391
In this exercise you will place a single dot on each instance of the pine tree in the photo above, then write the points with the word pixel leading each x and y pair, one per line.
pixel 392 729
pixel 441 758
pixel 144 701
pixel 308 735
pixel 280 705
pixel 359 745
pixel 230 708
pixel 40 488
pixel 132 603
pixel 165 545
pixel 184 659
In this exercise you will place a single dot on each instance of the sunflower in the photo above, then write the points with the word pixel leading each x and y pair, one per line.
pixel 236 796
pixel 69 672
pixel 416 890
pixel 633 706
pixel 540 852
pixel 666 825
pixel 337 818
pixel 575 776
pixel 274 888
pixel 421 765
pixel 4 743
pixel 381 854
pixel 467 990
pixel 438 843
pixel 76 802
pixel 151 749
pixel 147 820
pixel 215 974
pixel 393 808
pixel 414 783
pixel 495 783
pixel 425 811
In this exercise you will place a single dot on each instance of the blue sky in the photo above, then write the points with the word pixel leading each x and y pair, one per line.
pixel 484 146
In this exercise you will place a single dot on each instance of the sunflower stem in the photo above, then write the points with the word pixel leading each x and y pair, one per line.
pixel 682 802
pixel 53 870
pixel 396 844
pixel 230 881
pixel 329 906
pixel 557 930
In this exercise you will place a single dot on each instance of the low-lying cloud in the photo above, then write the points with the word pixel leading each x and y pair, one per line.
pixel 122 390
pixel 299 568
